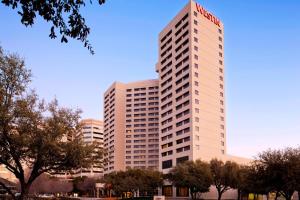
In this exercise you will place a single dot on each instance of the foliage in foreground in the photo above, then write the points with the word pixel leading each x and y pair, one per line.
pixel 194 175
pixel 64 16
pixel 133 180
pixel 273 171
pixel 35 134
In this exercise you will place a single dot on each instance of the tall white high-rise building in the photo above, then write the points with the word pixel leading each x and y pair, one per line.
pixel 191 88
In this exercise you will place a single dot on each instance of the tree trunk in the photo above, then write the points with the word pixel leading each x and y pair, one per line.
pixel 276 196
pixel 219 195
pixel 24 191
pixel 239 194
pixel 193 195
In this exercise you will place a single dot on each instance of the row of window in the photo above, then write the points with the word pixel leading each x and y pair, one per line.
pixel 141 141
pixel 142 146
pixel 169 163
pixel 142 135
pixel 142 99
pixel 141 156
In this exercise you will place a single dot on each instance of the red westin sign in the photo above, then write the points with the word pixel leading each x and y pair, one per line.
pixel 208 15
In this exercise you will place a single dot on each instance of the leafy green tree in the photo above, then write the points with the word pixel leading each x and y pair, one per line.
pixel 251 179
pixel 152 180
pixel 34 134
pixel 133 180
pixel 84 185
pixel 225 176
pixel 242 181
pixel 64 17
pixel 280 170
pixel 113 183
pixel 194 175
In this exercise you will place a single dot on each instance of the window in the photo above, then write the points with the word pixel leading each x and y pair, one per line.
pixel 167 164
pixel 220 54
pixel 222 135
pixel 167 190
pixel 196 74
pixel 220 46
pixel 221 94
pixel 220 70
pixel 182 159
pixel 220 39
pixel 195 31
pixel 195 22
pixel 221 86
pixel 195 39
pixel 222 143
pixel 196 101
pixel 182 192
pixel 220 62
pixel 196 57
pixel 197 137
pixel 195 13
pixel 196 119
pixel 196 65
pixel 220 31
pixel 197 110
pixel 196 48
pixel 196 83
pixel 197 128
pixel 196 92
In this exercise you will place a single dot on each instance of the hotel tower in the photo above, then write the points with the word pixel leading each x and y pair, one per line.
pixel 191 88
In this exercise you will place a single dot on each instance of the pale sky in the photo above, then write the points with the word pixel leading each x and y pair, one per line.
pixel 262 47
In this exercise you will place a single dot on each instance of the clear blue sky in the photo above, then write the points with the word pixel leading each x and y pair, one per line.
pixel 262 51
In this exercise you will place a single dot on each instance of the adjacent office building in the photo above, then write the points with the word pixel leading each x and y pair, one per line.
pixel 131 125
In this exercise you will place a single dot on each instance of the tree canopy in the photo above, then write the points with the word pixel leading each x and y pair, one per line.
pixel 225 176
pixel 64 16
pixel 134 180
pixel 194 175
pixel 280 171
pixel 34 134
pixel 273 171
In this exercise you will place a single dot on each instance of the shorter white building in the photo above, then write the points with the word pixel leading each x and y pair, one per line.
pixel 92 132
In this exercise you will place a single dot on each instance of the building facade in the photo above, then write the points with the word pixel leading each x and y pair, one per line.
pixel 92 132
pixel 191 88
pixel 131 125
